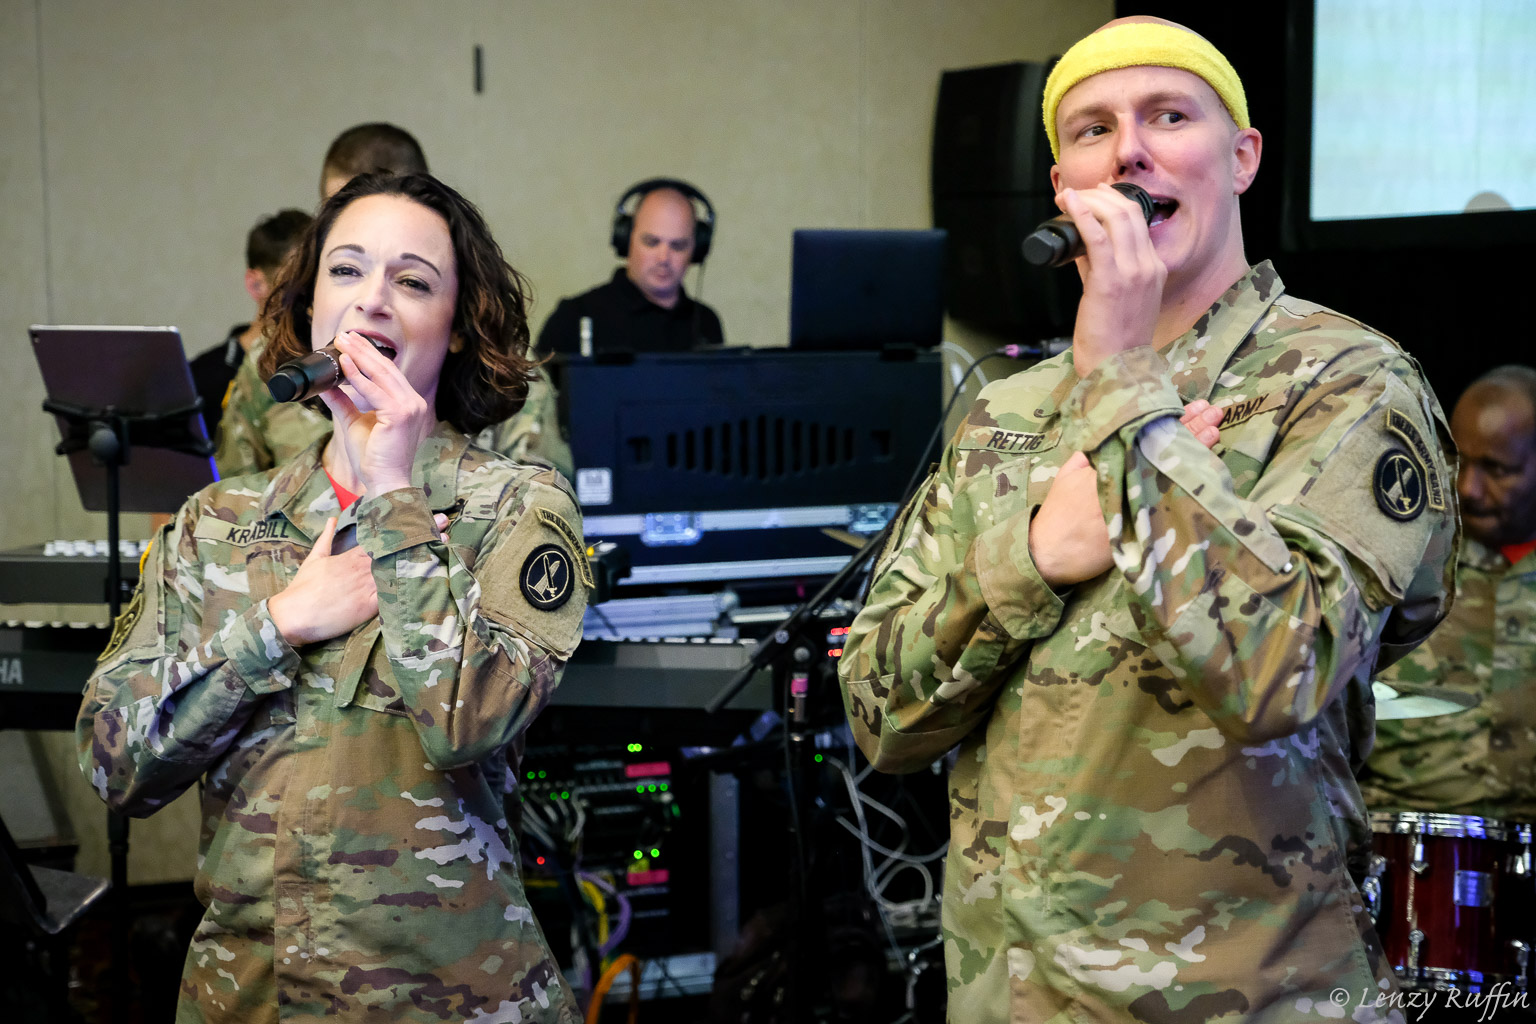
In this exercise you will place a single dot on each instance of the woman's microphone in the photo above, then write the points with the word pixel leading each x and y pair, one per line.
pixel 301 379
pixel 1057 241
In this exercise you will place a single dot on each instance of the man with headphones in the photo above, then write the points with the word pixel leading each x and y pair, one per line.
pixel 644 307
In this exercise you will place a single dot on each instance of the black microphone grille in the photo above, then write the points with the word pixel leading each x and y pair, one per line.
pixel 1138 195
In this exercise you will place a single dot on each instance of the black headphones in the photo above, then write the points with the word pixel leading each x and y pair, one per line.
pixel 624 220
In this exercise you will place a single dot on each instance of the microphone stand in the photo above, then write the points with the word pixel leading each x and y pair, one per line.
pixel 795 669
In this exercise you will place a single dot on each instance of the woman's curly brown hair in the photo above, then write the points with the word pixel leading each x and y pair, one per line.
pixel 483 383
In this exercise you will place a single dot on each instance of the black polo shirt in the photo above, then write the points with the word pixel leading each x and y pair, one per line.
pixel 212 373
pixel 624 319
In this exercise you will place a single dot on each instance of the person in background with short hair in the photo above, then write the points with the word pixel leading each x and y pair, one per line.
pixel 257 433
pixel 266 245
pixel 369 149
pixel 1481 761
pixel 347 649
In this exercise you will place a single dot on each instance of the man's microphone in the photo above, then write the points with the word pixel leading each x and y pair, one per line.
pixel 1057 241
pixel 301 379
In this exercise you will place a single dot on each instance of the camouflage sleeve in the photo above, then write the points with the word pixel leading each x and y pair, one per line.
pixel 1265 606
pixel 477 653
pixel 175 686
pixel 950 611
pixel 533 431
pixel 241 447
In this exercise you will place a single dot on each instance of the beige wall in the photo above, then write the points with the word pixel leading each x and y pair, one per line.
pixel 140 139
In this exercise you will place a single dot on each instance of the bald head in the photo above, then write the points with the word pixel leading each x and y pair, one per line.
pixel 661 245
pixel 1146 19
pixel 1494 425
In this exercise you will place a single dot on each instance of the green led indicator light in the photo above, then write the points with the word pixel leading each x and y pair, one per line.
pixel 655 853
pixel 637 855
pixel 639 789
pixel 663 787
pixel 818 759
pixel 554 796
pixel 565 794
pixel 541 775
pixel 530 775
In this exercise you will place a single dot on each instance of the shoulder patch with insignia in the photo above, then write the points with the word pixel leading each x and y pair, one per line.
pixel 1400 486
pixel 1404 428
pixel 548 577
pixel 556 522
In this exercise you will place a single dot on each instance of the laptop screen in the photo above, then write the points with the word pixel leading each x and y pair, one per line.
pixel 854 289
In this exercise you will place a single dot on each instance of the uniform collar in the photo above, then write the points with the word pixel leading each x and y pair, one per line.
pixel 635 299
pixel 1476 555
pixel 301 493
pixel 1200 355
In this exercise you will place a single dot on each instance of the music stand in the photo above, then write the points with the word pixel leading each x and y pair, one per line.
pixel 114 390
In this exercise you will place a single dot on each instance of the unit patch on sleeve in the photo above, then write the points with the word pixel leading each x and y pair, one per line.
pixel 1404 428
pixel 1400 486
pixel 547 577
pixel 556 522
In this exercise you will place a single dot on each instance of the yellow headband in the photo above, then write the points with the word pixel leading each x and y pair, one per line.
pixel 1135 45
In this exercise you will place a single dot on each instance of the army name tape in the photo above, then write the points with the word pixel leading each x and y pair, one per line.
pixel 210 528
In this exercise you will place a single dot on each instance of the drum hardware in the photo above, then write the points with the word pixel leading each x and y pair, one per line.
pixel 1473 889
pixel 1452 899
pixel 1370 888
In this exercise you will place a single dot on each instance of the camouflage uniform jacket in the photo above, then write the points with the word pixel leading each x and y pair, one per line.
pixel 355 857
pixel 1481 761
pixel 1153 792
pixel 256 433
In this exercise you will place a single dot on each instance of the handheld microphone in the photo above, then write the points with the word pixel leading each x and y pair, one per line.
pixel 301 379
pixel 1057 241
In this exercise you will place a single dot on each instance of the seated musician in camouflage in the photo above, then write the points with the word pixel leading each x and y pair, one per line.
pixel 256 433
pixel 349 677
pixel 1481 761
pixel 1146 636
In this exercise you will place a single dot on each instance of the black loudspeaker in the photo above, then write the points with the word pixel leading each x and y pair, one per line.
pixel 624 219
pixel 991 181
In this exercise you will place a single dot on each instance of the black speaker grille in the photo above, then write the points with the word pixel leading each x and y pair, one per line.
pixel 762 448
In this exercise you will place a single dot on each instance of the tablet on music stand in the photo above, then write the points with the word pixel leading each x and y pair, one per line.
pixel 140 375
